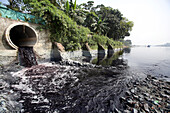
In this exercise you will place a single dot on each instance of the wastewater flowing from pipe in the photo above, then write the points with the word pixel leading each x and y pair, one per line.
pixel 26 56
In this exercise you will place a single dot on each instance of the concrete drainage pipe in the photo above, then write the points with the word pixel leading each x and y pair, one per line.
pixel 21 35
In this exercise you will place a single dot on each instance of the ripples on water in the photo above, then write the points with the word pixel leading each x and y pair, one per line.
pixel 154 60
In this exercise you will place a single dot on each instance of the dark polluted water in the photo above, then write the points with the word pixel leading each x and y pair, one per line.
pixel 26 56
pixel 74 87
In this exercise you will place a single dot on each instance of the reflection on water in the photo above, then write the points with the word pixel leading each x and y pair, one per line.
pixel 150 61
pixel 126 50
pixel 110 60
pixel 87 56
pixel 110 53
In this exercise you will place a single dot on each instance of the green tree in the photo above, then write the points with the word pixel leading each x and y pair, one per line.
pixel 62 22
pixel 14 4
pixel 127 42
pixel 58 3
pixel 70 8
pixel 62 28
pixel 87 6
pixel 125 27
pixel 28 7
pixel 100 27
pixel 90 19
pixel 118 26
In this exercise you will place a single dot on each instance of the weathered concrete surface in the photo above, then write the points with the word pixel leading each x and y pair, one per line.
pixel 57 48
pixel 86 51
pixel 60 47
pixel 42 47
pixel 110 51
pixel 101 51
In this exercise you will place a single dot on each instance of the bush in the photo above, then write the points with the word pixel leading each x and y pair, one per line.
pixel 100 39
pixel 63 29
pixel 103 40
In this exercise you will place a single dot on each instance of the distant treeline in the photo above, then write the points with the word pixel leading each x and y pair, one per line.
pixel 165 45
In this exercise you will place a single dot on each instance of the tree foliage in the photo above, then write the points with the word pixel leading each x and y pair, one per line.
pixel 63 29
pixel 106 21
pixel 70 24
pixel 14 4
pixel 127 42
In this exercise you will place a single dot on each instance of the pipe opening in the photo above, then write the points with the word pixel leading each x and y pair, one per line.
pixel 22 36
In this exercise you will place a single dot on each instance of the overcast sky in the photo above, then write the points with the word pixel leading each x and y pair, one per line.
pixel 151 19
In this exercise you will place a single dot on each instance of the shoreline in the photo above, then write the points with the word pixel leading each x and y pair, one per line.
pixel 150 95
pixel 147 95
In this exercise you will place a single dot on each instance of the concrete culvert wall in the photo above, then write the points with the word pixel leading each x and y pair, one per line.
pixel 19 35
pixel 10 42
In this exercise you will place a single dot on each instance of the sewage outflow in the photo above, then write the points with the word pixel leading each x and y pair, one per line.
pixel 26 56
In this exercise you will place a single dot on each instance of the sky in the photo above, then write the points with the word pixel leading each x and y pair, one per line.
pixel 151 19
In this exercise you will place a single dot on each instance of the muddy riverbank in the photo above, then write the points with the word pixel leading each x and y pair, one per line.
pixel 70 86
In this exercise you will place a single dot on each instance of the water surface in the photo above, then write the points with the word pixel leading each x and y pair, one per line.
pixel 150 60
pixel 144 60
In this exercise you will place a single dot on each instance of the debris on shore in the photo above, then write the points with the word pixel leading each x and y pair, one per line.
pixel 76 87
pixel 147 96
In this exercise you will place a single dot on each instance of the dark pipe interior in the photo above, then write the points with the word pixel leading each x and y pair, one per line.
pixel 22 35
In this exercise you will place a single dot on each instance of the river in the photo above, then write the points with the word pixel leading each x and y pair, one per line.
pixel 150 60
pixel 74 87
